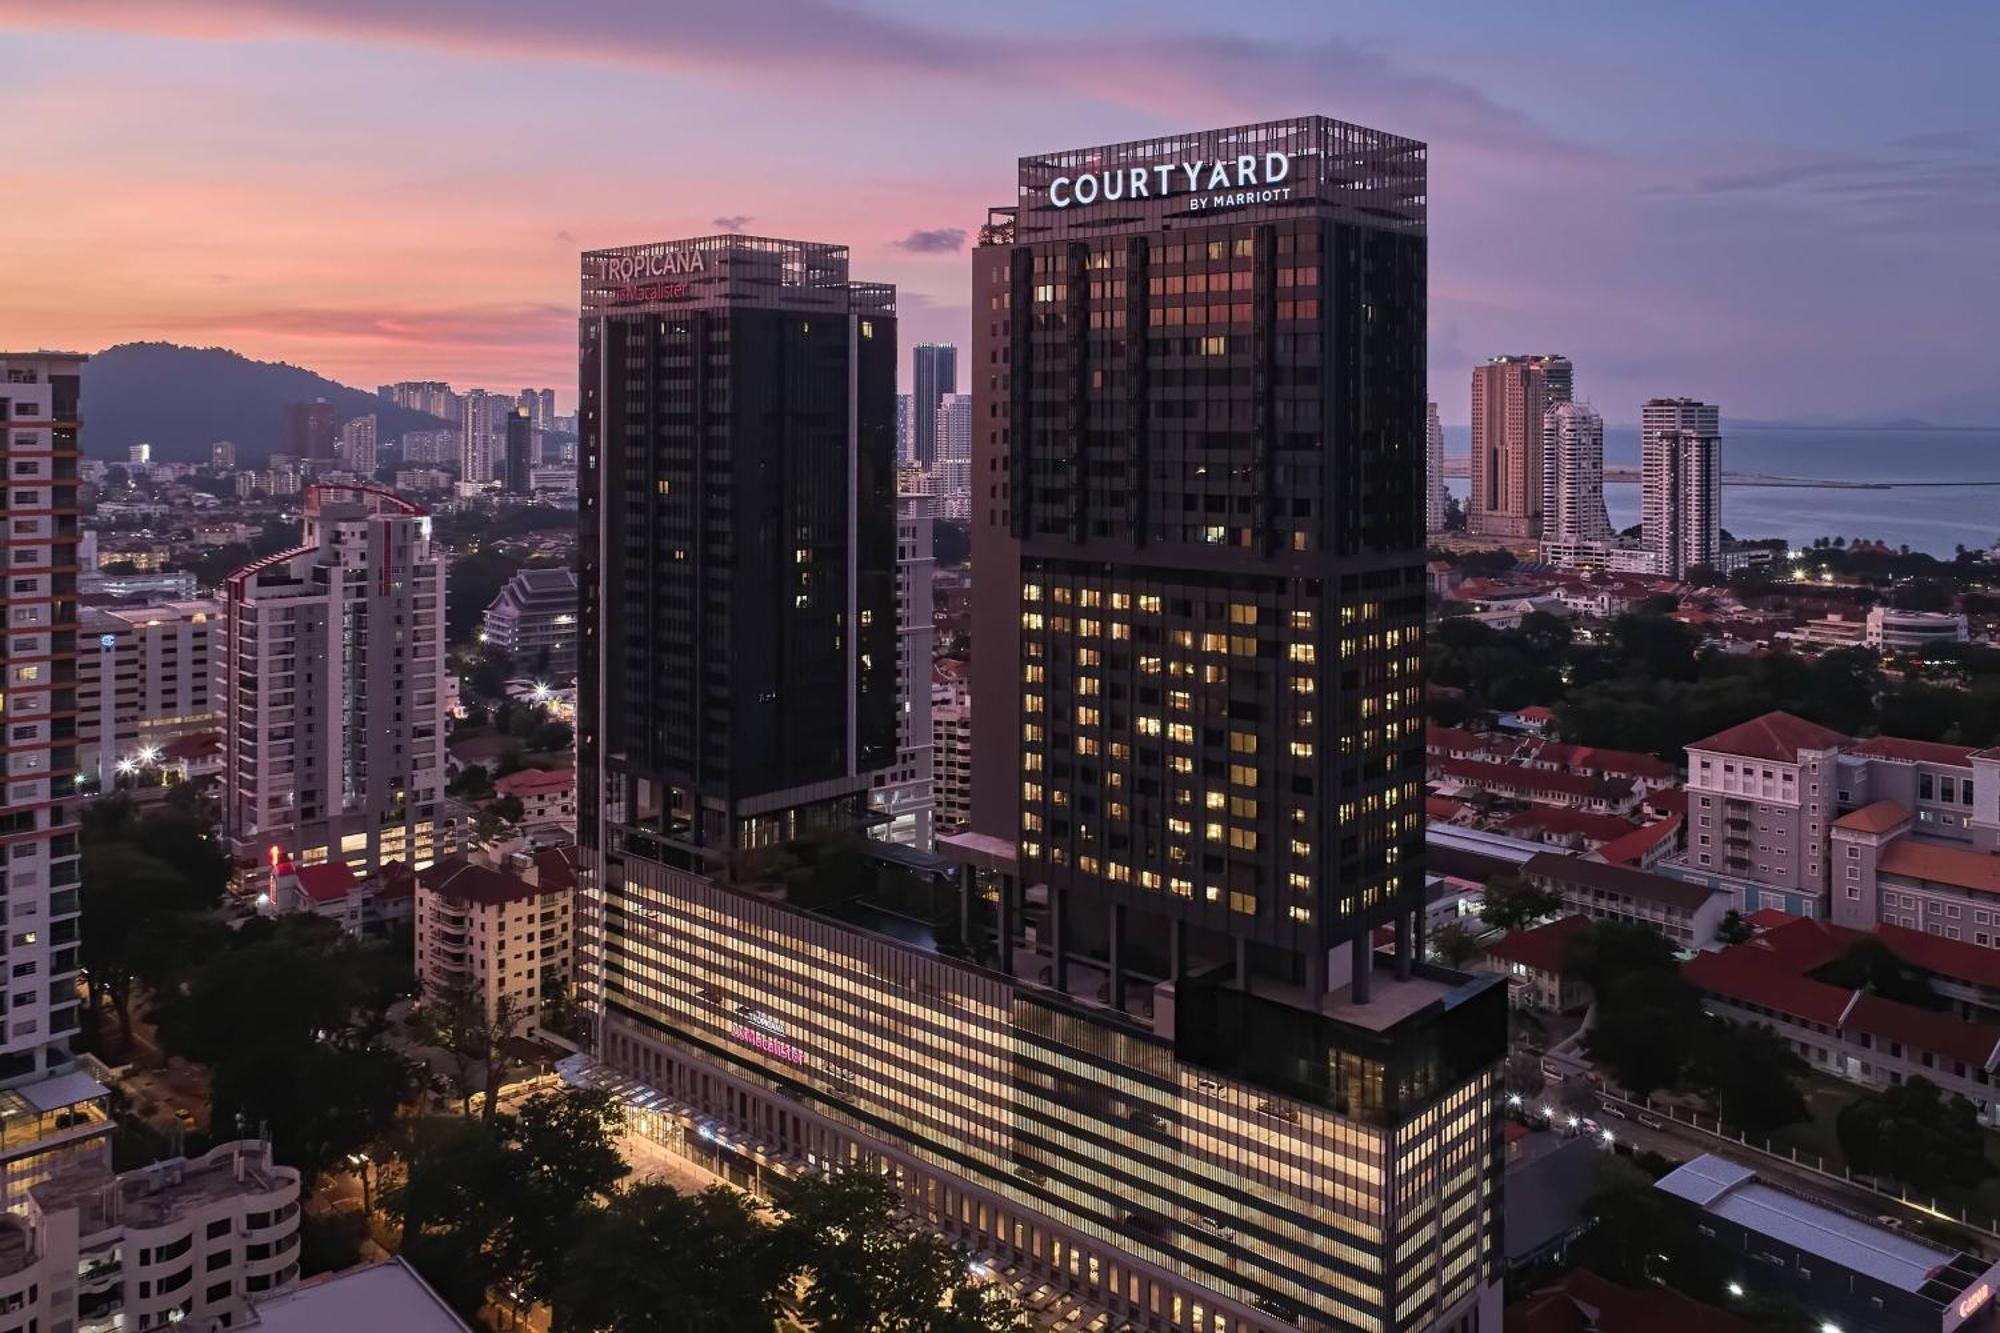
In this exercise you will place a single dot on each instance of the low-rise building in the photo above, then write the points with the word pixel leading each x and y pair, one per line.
pixel 1688 914
pixel 1533 962
pixel 372 904
pixel 498 925
pixel 388 1297
pixel 1775 981
pixel 1897 631
pixel 547 796
pixel 1845 1273
pixel 185 1242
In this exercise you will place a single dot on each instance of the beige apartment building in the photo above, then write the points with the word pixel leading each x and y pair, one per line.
pixel 498 925
pixel 332 677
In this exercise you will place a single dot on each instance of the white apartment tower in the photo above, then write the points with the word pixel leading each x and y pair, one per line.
pixel 358 445
pixel 1433 470
pixel 57 1117
pixel 903 796
pixel 332 676
pixel 951 756
pixel 484 414
pixel 951 473
pixel 1681 468
pixel 1573 474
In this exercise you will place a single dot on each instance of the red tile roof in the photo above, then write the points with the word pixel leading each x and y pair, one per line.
pixel 1583 1302
pixel 1631 848
pixel 1671 800
pixel 1540 781
pixel 526 780
pixel 1916 752
pixel 1960 960
pixel 1443 808
pixel 1541 949
pixel 1775 736
pixel 1979 871
pixel 1804 944
pixel 469 881
pixel 1597 759
pixel 327 883
pixel 1738 973
pixel 555 867
pixel 1974 1043
pixel 1563 821
pixel 1881 817
pixel 1766 918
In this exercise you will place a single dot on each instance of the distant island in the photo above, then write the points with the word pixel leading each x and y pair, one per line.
pixel 1828 423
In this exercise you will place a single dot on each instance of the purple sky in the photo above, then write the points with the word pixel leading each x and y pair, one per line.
pixel 1791 210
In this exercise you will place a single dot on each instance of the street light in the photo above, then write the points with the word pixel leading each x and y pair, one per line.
pixel 1736 1289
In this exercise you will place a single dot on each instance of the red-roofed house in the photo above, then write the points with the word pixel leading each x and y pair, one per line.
pixel 1539 786
pixel 1643 847
pixel 499 925
pixel 363 905
pixel 1533 962
pixel 547 796
pixel 1573 830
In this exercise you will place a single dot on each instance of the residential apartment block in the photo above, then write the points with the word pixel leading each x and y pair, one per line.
pixel 145 677
pixel 498 925
pixel 332 676
pixel 188 1241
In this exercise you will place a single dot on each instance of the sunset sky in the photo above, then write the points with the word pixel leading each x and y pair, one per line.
pixel 1789 208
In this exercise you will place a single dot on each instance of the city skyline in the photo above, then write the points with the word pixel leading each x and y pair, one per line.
pixel 1655 239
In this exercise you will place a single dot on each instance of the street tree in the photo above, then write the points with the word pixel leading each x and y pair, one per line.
pixel 1513 903
pixel 1913 1133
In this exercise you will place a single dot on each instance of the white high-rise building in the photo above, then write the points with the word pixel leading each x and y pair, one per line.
pixel 55 1117
pixel 1681 473
pixel 332 682
pixel 1573 474
pixel 903 795
pixel 357 445
pixel 1433 470
pixel 951 473
pixel 484 415
pixel 903 401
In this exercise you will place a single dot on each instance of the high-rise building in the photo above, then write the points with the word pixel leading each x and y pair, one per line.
pixel 479 421
pixel 951 474
pixel 432 396
pixel 1510 398
pixel 540 405
pixel 1573 474
pixel 902 800
pixel 951 757
pixel 332 679
pixel 222 456
pixel 308 431
pixel 357 445
pixel 40 420
pixel 145 677
pixel 430 446
pixel 933 374
pixel 739 684
pixel 1434 495
pixel 1199 536
pixel 1680 448
pixel 903 446
pixel 140 453
pixel 520 433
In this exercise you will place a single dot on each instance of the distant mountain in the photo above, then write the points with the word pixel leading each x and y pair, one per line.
pixel 183 399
